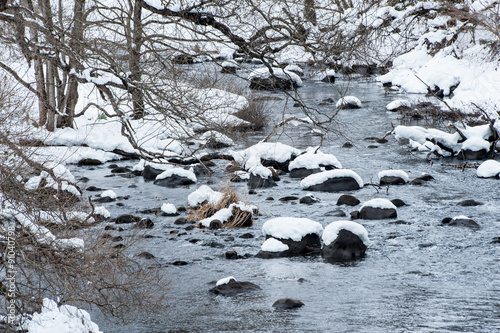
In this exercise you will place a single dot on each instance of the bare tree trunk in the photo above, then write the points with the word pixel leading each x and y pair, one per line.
pixel 71 96
pixel 51 96
pixel 134 60
pixel 309 11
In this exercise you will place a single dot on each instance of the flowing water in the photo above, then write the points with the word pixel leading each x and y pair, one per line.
pixel 417 276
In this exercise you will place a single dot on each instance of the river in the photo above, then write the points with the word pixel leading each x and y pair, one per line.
pixel 417 275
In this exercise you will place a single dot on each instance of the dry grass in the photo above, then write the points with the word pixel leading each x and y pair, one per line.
pixel 239 218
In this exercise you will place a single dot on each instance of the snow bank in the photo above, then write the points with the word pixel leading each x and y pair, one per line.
pixel 379 203
pixel 63 319
pixel 311 160
pixel 489 168
pixel 273 245
pixel 321 177
pixel 332 230
pixel 291 227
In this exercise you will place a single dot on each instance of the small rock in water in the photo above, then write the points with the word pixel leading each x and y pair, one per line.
pixel 145 224
pixel 398 202
pixel 347 199
pixel 287 303
pixel 289 198
pixel 469 203
pixel 146 255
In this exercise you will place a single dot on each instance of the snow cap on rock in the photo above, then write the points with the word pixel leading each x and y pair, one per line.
pixel 291 228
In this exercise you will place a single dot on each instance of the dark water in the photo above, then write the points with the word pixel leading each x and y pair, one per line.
pixel 417 276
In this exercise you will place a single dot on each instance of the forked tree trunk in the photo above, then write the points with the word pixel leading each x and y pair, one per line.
pixel 134 61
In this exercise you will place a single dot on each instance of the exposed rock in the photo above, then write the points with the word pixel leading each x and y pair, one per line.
pixel 309 199
pixel 309 244
pixel 467 154
pixel 398 202
pixel 347 246
pixel 288 198
pixel 89 161
pixel 258 181
pixel 377 209
pixel 287 303
pixel 234 287
pixel 336 213
pixel 215 224
pixel 303 172
pixel 332 181
pixel 146 255
pixel 469 203
pixel 460 221
pixel 149 173
pixel 392 180
pixel 120 170
pixel 127 218
pixel 347 199
pixel 375 213
pixel 145 224
pixel 174 181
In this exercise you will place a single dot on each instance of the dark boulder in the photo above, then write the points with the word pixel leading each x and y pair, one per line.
pixel 469 203
pixel 233 288
pixel 127 218
pixel 309 244
pixel 347 199
pixel 392 180
pixel 174 181
pixel 347 246
pixel 376 213
pixel 460 221
pixel 145 224
pixel 309 199
pixel 272 83
pixel 468 154
pixel 335 185
pixel 149 173
pixel 287 304
pixel 398 202
pixel 303 172
pixel 257 181
pixel 89 161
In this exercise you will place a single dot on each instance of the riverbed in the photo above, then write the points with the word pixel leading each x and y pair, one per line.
pixel 417 275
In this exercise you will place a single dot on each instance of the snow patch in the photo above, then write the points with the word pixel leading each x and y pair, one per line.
pixel 273 245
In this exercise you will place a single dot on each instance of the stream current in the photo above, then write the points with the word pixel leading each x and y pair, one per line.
pixel 417 275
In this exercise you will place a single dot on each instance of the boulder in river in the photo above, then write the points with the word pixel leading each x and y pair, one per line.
pixel 393 177
pixel 175 177
pixel 230 287
pixel 290 236
pixel 332 181
pixel 344 240
pixel 377 209
pixel 260 176
pixel 287 304
pixel 460 221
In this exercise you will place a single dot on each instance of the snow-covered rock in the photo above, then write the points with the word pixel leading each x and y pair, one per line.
pixel 290 236
pixel 260 177
pixel 348 102
pixel 344 240
pixel 393 177
pixel 311 162
pixel 488 169
pixel 376 209
pixel 398 105
pixel 262 79
pixel 332 181
pixel 276 155
pixel 175 177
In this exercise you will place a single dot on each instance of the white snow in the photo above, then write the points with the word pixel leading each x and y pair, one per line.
pixel 321 177
pixel 168 208
pixel 489 168
pixel 264 73
pixel 261 171
pixel 178 172
pixel 311 160
pixel 291 227
pixel 273 245
pixel 109 194
pixel 101 210
pixel 394 173
pixel 204 193
pixel 348 100
pixel 63 319
pixel 216 137
pixel 476 144
pixel 225 280
pixel 251 156
pixel 332 230
pixel 397 104
pixel 379 203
